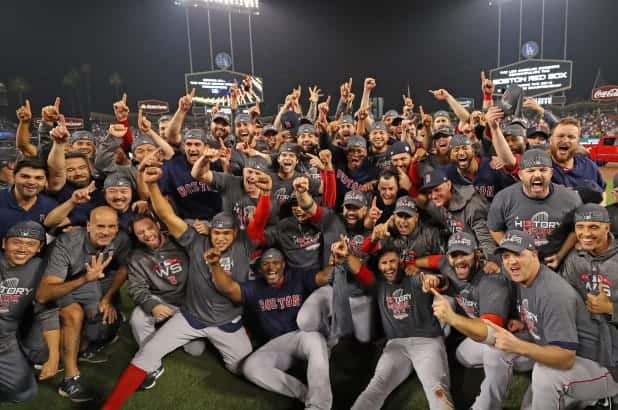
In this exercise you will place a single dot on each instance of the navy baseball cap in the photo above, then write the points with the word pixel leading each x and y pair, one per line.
pixel 306 129
pixel 290 121
pixel 460 139
pixel 81 135
pixel 116 180
pixel 406 205
pixel 591 213
pixel 516 241
pixel 274 254
pixel 356 141
pixel 441 113
pixel 535 158
pixel 27 229
pixel 444 131
pixel 355 198
pixel 223 220
pixel 433 179
pixel 195 134
pixel 378 125
pixel 257 163
pixel 269 129
pixel 347 119
pixel 400 147
pixel 461 242
pixel 532 131
pixel 242 117
pixel 221 117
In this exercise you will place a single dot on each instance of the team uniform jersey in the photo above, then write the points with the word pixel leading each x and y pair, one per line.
pixel 276 308
pixel 487 181
pixel 351 180
pixel 191 198
pixel 204 305
pixel 380 161
pixel 512 209
pixel 283 189
pixel 554 314
pixel 583 170
pixel 158 276
pixel 11 212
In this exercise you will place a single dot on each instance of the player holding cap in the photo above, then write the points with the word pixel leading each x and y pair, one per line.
pixel 478 296
pixel 563 337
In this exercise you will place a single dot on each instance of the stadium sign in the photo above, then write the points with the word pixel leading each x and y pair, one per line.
pixel 74 123
pixel 154 107
pixel 212 87
pixel 467 103
pixel 536 77
pixel 605 93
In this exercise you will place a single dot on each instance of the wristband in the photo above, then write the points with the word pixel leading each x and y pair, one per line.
pixel 490 339
pixel 487 97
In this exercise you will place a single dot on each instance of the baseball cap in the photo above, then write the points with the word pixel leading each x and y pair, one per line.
pixel 164 118
pixel 590 191
pixel 391 113
pixel 195 134
pixel 591 213
pixel 378 125
pixel 448 131
pixel 347 119
pixel 515 129
pixel 81 135
pixel 406 205
pixel 221 117
pixel 399 147
pixel 257 163
pixel 398 120
pixel 223 220
pixel 535 158
pixel 306 129
pixel 269 129
pixel 433 179
pixel 355 198
pixel 537 131
pixel 460 139
pixel 441 113
pixel 115 180
pixel 305 120
pixel 290 121
pixel 27 229
pixel 461 242
pixel 262 146
pixel 242 117
pixel 356 141
pixel 516 241
pixel 140 139
pixel 289 147
pixel 272 253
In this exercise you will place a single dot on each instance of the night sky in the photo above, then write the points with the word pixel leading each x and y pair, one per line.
pixel 430 44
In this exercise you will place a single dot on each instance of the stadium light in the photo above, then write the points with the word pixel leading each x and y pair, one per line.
pixel 236 6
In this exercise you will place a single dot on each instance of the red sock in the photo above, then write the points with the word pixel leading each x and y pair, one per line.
pixel 130 380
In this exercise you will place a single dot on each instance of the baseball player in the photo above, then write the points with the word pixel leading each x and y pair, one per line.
pixel 85 270
pixel 414 336
pixel 205 312
pixel 275 299
pixel 478 296
pixel 378 149
pixel 564 340
pixel 20 271
pixel 83 141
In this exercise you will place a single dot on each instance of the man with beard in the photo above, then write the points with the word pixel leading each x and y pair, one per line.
pixel 85 270
pixel 24 201
pixel 439 151
pixel 356 173
pixel 441 119
pixel 192 198
pixel 401 154
pixel 345 131
pixel 535 205
pixel 468 169
pixel 421 245
pixel 309 143
pixel 460 209
pixel 378 150
pixel 385 196
pixel 20 272
pixel 285 343
pixel 118 195
pixel 83 141
pixel 158 273
pixel 562 337
pixel 414 336
pixel 478 297
pixel 570 169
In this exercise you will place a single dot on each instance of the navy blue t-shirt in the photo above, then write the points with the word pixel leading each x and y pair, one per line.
pixel 80 214
pixel 11 212
pixel 583 170
pixel 192 199
pixel 487 181
pixel 348 180
pixel 276 308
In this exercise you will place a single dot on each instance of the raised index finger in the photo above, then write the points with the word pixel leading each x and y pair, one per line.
pixel 27 103
pixel 56 104
pixel 193 92
pixel 124 98
pixel 483 78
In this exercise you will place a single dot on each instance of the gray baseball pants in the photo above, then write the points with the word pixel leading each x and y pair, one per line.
pixel 317 309
pixel 143 327
pixel 425 355
pixel 176 332
pixel 267 367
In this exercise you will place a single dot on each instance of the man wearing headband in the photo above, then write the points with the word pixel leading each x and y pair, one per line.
pixel 276 321
pixel 20 272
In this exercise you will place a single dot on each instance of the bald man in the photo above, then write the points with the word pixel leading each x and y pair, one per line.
pixel 85 270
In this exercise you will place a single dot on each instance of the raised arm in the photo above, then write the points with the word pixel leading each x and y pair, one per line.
pixel 493 117
pixel 224 283
pixel 55 160
pixel 442 95
pixel 175 126
pixel 305 201
pixel 161 206
pixel 22 136
pixel 60 214
pixel 145 126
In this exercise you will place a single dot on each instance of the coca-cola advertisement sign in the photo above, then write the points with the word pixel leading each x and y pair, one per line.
pixel 155 107
pixel 605 93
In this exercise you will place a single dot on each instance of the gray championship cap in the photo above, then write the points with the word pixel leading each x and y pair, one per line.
pixel 223 220
pixel 535 158
pixel 441 113
pixel 460 139
pixel 443 131
pixel 221 117
pixel 355 198
pixel 356 141
pixel 27 229
pixel 591 213
pixel 257 163
pixel 461 242
pixel 347 119
pixel 433 179
pixel 242 117
pixel 306 129
pixel 378 125
pixel 273 254
pixel 81 135
pixel 406 205
pixel 195 134
pixel 116 180
pixel 400 147
pixel 269 129
pixel 141 139
pixel 516 241
pixel 289 147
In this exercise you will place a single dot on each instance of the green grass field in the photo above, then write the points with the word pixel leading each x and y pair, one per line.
pixel 203 383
